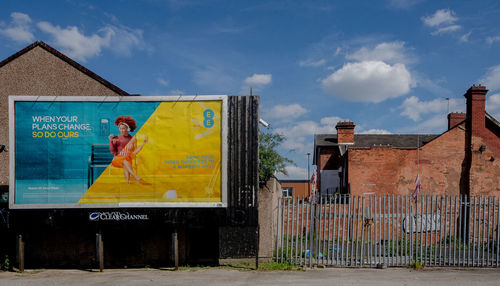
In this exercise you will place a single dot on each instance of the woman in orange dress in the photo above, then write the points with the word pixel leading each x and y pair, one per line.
pixel 124 146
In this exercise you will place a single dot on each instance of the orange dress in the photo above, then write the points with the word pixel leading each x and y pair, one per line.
pixel 123 148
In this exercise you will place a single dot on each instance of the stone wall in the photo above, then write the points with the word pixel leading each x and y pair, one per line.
pixel 268 212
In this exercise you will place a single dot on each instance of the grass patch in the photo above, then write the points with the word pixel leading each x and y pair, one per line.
pixel 279 266
pixel 194 268
pixel 417 265
pixel 247 266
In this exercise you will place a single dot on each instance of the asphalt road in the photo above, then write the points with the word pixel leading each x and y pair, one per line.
pixel 329 276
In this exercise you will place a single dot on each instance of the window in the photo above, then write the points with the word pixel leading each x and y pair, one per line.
pixel 287 192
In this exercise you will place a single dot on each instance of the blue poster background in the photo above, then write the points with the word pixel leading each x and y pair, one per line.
pixel 53 170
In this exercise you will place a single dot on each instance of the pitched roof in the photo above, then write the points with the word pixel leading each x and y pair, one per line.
pixel 368 140
pixel 492 119
pixel 67 60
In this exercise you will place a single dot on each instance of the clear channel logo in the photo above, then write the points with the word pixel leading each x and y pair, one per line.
pixel 116 216
pixel 94 216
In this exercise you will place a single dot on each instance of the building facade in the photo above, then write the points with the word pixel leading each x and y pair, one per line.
pixel 464 160
pixel 298 189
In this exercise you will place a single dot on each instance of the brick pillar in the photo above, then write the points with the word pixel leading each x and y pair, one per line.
pixel 455 118
pixel 475 128
pixel 345 132
pixel 476 98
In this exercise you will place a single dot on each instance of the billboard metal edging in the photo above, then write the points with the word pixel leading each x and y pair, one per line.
pixel 12 145
pixel 183 98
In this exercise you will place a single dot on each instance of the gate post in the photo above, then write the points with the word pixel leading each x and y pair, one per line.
pixel 311 232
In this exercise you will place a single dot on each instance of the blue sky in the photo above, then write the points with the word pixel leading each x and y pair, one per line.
pixel 387 65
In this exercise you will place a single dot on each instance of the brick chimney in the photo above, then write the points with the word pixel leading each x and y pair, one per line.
pixel 455 118
pixel 476 97
pixel 345 131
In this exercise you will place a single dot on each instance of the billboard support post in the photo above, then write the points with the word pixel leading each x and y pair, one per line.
pixel 20 252
pixel 100 251
pixel 175 244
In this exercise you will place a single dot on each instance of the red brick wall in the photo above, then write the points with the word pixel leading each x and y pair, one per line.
pixel 476 97
pixel 300 189
pixel 385 170
pixel 485 166
pixel 327 158
pixel 454 118
pixel 345 132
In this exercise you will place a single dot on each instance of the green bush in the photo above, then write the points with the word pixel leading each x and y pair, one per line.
pixel 5 264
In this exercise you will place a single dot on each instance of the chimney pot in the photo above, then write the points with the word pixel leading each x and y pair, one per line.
pixel 455 118
pixel 345 131
pixel 476 99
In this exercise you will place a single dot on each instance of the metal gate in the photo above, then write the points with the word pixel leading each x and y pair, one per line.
pixel 390 230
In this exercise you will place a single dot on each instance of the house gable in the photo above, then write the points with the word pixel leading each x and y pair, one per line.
pixel 43 71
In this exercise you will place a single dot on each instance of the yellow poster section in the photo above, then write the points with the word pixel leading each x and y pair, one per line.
pixel 180 162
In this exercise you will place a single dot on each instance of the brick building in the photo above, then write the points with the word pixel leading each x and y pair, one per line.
pixel 296 188
pixel 465 159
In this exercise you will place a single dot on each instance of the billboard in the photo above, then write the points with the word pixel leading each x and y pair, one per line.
pixel 140 151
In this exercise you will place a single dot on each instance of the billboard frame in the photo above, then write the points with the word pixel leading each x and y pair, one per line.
pixel 101 99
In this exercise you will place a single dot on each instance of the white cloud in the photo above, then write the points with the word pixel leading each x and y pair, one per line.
pixel 493 105
pixel 492 78
pixel 176 92
pixel 121 40
pixel 124 39
pixel 392 52
pixel 162 81
pixel 19 28
pixel 284 112
pixel 446 29
pixel 299 136
pixel 294 172
pixel 299 129
pixel 465 37
pixel 443 21
pixel 74 43
pixel 311 63
pixel 329 122
pixel 433 125
pixel 337 51
pixel 20 18
pixel 440 17
pixel 491 40
pixel 413 108
pixel 259 80
pixel 369 81
pixel 375 131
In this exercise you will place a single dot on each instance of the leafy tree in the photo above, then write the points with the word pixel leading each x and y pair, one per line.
pixel 270 161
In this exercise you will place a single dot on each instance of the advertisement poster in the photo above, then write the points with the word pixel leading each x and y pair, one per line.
pixel 118 152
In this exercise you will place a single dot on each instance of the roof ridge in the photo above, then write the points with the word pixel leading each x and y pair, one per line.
pixel 493 119
pixel 68 60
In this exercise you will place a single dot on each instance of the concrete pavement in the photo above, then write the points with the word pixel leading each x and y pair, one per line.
pixel 217 276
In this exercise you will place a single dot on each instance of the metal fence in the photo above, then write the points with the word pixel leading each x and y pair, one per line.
pixel 390 230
